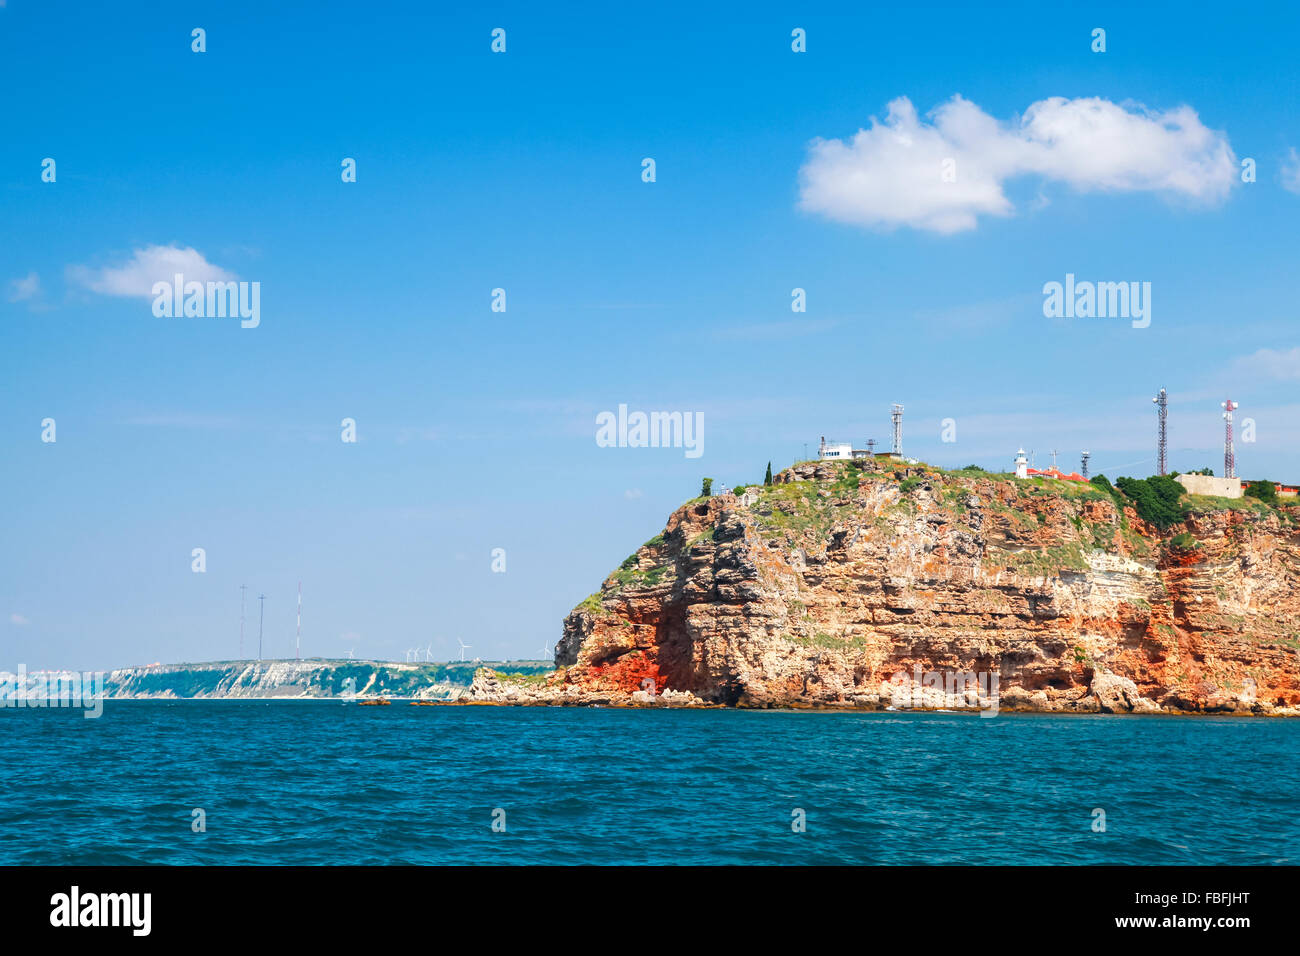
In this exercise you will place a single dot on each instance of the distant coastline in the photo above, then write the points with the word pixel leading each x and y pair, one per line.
pixel 310 679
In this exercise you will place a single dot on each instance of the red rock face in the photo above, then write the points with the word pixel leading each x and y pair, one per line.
pixel 840 584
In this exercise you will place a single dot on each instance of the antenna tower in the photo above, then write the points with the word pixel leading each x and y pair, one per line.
pixel 1162 444
pixel 1229 454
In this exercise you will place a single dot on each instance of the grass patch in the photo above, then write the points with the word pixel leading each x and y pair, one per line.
pixel 1044 561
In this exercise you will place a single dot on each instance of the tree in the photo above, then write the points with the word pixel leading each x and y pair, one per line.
pixel 707 489
pixel 1155 499
pixel 1265 491
pixel 767 479
pixel 1102 482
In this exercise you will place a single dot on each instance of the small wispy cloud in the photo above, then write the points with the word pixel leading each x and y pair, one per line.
pixel 983 315
pixel 151 264
pixel 1282 365
pixel 1291 172
pixel 632 494
pixel 410 433
pixel 26 288
pixel 773 331
pixel 180 420
pixel 17 619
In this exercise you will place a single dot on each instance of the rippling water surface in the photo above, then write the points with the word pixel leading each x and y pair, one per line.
pixel 322 782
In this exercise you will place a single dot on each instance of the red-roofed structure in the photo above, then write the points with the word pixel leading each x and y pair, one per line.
pixel 1055 473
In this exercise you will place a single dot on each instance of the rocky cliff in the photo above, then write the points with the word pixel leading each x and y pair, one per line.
pixel 294 679
pixel 862 584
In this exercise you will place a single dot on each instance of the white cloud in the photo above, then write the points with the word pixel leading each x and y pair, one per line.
pixel 18 619
pixel 181 420
pixel 136 276
pixel 770 331
pixel 21 290
pixel 1291 172
pixel 632 494
pixel 892 174
pixel 1269 364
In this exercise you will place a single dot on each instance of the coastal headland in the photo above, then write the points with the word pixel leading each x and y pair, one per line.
pixel 875 584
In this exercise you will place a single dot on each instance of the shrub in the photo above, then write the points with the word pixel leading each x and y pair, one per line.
pixel 1155 499
pixel 707 489
pixel 1265 491
pixel 1184 542
pixel 1102 483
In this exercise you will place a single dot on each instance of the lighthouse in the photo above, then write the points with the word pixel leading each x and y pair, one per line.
pixel 1022 464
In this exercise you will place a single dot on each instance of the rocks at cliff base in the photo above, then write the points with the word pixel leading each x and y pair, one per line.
pixel 1119 695
pixel 489 687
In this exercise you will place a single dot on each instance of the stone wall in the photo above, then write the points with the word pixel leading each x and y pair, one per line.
pixel 1208 485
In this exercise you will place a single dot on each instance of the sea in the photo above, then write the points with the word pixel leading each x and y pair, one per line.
pixel 327 782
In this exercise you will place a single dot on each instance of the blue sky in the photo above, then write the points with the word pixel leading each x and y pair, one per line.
pixel 522 171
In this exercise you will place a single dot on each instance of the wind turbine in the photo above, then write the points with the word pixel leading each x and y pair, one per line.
pixel 463 648
pixel 546 648
pixel 352 654
pixel 428 652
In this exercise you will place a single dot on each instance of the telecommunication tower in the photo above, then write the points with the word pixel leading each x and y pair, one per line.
pixel 896 416
pixel 1162 444
pixel 1229 455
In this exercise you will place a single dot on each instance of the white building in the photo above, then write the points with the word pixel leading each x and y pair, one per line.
pixel 835 451
pixel 1208 485
pixel 1022 464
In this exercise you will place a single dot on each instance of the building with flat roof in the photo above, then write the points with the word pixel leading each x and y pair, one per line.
pixel 1209 485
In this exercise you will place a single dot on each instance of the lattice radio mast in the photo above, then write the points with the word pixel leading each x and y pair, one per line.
pixel 1229 454
pixel 1162 443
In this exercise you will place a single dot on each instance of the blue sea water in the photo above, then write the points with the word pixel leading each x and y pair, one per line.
pixel 324 782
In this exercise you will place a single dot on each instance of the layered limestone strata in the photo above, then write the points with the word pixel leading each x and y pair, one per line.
pixel 856 584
